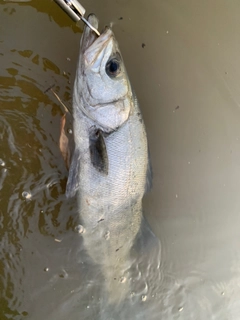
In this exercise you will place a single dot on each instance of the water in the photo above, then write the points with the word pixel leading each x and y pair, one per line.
pixel 183 61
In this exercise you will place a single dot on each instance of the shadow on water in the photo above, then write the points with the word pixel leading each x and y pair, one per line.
pixel 44 270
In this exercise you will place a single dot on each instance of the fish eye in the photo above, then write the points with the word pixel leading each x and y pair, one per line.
pixel 113 67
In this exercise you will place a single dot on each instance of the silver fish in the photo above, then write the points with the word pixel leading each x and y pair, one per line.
pixel 109 170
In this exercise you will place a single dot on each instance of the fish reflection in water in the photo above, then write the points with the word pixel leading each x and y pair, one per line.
pixel 109 172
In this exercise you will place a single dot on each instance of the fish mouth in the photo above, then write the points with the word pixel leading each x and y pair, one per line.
pixel 91 39
pixel 89 36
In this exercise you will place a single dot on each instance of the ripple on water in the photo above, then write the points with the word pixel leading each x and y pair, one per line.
pixel 36 271
pixel 32 180
pixel 142 279
pixel 34 212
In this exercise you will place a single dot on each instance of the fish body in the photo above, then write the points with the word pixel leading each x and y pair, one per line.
pixel 109 167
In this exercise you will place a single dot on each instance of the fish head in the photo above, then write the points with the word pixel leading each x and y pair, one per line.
pixel 102 83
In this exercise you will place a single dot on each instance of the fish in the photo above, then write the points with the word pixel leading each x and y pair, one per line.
pixel 109 169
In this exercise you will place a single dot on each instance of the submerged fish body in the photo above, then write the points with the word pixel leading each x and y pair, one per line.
pixel 109 166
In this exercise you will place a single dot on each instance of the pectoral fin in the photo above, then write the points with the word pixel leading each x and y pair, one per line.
pixel 64 145
pixel 73 177
pixel 98 151
pixel 64 142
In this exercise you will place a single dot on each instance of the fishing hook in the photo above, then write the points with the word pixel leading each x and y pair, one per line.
pixel 75 11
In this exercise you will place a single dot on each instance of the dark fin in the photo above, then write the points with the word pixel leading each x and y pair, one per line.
pixel 149 175
pixel 73 177
pixel 64 142
pixel 98 151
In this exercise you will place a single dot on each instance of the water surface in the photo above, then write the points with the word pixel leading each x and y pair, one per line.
pixel 183 62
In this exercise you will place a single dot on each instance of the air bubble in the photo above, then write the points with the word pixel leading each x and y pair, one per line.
pixel 107 235
pixel 180 309
pixel 26 195
pixel 79 229
pixel 144 297
pixel 123 279
pixel 46 269
pixel 70 131
pixel 2 163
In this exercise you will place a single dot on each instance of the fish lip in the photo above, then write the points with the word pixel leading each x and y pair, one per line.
pixel 89 36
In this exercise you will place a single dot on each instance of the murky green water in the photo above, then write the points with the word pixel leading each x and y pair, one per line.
pixel 33 176
pixel 186 77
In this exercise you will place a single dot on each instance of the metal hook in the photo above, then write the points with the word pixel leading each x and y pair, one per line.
pixel 75 11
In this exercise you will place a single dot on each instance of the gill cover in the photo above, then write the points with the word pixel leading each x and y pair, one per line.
pixel 102 88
